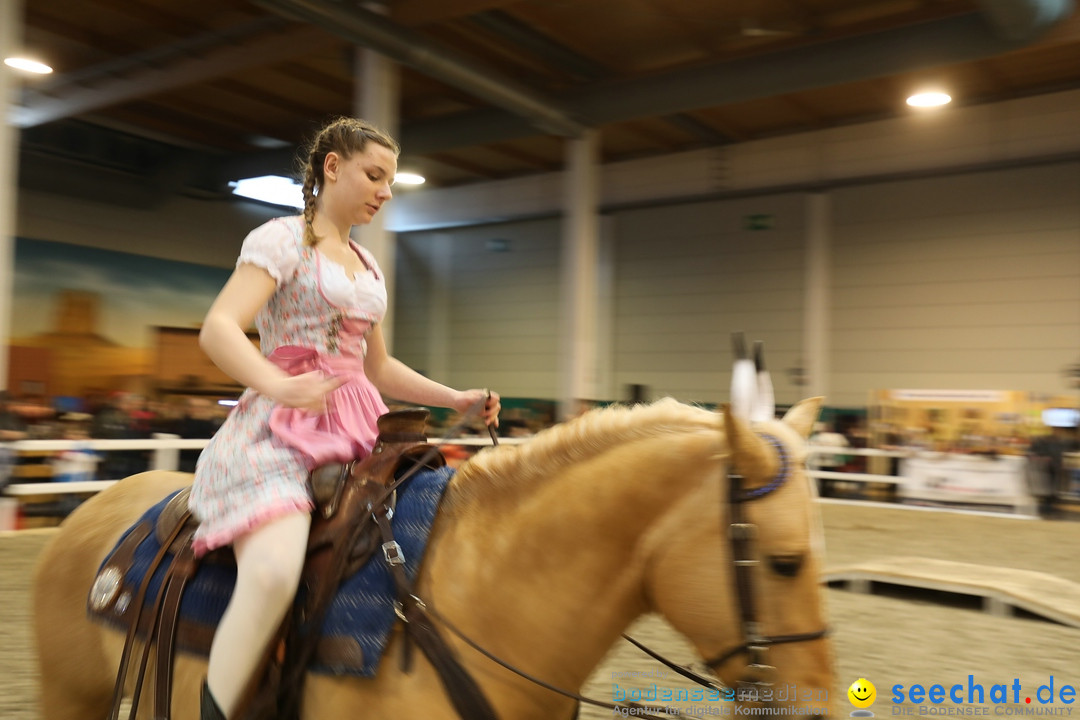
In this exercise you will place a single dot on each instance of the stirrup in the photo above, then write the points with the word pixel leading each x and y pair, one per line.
pixel 208 707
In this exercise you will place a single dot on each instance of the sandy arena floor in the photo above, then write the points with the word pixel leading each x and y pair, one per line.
pixel 903 638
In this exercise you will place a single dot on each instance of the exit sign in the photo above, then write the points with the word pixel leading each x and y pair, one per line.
pixel 759 221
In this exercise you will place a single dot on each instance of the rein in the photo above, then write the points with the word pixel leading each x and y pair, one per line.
pixel 411 609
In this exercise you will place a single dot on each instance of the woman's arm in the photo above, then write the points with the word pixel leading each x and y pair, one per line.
pixel 224 340
pixel 396 379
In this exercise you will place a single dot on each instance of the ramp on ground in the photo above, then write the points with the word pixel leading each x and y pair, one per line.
pixel 1002 589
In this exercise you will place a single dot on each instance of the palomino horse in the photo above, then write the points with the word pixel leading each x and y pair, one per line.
pixel 542 554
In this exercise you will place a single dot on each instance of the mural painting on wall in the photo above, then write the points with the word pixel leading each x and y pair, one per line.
pixel 84 319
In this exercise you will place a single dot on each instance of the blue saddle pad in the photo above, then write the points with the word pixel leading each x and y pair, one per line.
pixel 363 608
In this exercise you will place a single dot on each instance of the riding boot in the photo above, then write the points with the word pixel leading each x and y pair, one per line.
pixel 208 707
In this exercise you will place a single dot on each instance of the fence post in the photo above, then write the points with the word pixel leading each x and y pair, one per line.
pixel 166 458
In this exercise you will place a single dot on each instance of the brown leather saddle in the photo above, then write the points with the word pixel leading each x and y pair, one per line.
pixel 343 537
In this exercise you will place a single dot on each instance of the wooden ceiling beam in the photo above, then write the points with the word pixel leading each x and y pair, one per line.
pixel 261 50
pixel 637 128
pixel 155 120
pixel 172 23
pixel 423 12
pixel 702 133
pixel 235 87
pixel 704 38
pixel 1066 32
pixel 315 78
pixel 710 118
pixel 75 33
pixel 998 83
pixel 459 164
pixel 815 118
pixel 528 158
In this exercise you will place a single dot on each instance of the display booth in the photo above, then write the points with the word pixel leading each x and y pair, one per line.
pixel 965 447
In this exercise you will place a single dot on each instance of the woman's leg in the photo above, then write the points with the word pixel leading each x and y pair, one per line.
pixel 268 564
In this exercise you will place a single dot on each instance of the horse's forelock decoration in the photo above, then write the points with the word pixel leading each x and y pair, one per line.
pixel 752 395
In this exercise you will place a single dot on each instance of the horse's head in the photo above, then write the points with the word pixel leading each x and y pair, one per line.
pixel 736 567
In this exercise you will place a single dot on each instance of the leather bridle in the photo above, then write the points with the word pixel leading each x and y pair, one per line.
pixel 742 534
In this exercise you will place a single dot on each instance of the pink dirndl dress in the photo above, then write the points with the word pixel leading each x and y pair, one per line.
pixel 256 466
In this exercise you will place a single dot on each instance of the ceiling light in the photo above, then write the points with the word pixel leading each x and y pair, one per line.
pixel 929 99
pixel 268 143
pixel 28 65
pixel 273 189
pixel 408 178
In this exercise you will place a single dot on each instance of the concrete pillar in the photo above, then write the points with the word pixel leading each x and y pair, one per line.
pixel 817 304
pixel 441 260
pixel 377 99
pixel 11 21
pixel 579 262
pixel 605 315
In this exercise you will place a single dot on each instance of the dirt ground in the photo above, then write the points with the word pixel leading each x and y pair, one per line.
pixel 903 638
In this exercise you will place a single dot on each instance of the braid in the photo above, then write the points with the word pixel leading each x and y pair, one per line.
pixel 310 238
pixel 344 136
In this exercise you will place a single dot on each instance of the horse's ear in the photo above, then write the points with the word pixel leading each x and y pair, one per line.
pixel 802 416
pixel 751 456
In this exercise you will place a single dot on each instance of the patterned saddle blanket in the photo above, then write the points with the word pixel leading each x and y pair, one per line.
pixel 358 621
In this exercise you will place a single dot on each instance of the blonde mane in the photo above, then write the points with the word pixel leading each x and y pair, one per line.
pixel 494 473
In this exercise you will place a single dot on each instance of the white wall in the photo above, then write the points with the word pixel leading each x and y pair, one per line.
pixel 967 282
pixel 688 276
pixel 502 307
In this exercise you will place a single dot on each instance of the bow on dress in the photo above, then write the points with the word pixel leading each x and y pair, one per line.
pixel 345 429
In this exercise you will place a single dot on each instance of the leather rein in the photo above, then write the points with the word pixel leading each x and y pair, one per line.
pixel 412 609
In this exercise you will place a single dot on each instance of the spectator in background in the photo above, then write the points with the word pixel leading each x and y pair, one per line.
pixel 825 436
pixel 1046 472
pixel 12 428
pixel 117 421
pixel 199 421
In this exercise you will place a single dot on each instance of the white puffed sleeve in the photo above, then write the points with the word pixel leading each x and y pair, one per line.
pixel 272 246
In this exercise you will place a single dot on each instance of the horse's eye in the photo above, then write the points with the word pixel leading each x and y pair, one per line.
pixel 786 565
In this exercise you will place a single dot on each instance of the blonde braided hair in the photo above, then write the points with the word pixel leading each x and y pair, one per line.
pixel 345 136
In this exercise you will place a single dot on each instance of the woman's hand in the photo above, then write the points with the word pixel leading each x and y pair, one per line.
pixel 468 399
pixel 306 391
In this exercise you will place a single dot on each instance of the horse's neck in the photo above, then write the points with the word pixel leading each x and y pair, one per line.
pixel 548 577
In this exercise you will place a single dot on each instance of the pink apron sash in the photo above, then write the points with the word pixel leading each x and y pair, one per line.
pixel 346 430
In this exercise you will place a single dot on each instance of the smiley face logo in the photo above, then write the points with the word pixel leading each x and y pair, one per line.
pixel 862 693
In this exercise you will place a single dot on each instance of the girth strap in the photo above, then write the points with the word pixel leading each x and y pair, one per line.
pixel 465 694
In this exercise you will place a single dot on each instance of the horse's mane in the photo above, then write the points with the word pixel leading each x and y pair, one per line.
pixel 571 442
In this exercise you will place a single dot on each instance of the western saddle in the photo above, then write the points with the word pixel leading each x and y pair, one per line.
pixel 350 522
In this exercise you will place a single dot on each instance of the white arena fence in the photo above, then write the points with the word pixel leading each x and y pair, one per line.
pixel 166 456
pixel 942 483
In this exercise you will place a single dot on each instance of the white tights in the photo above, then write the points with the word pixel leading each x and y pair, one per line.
pixel 268 564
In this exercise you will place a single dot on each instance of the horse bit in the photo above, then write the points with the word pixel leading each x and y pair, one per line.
pixel 754 644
